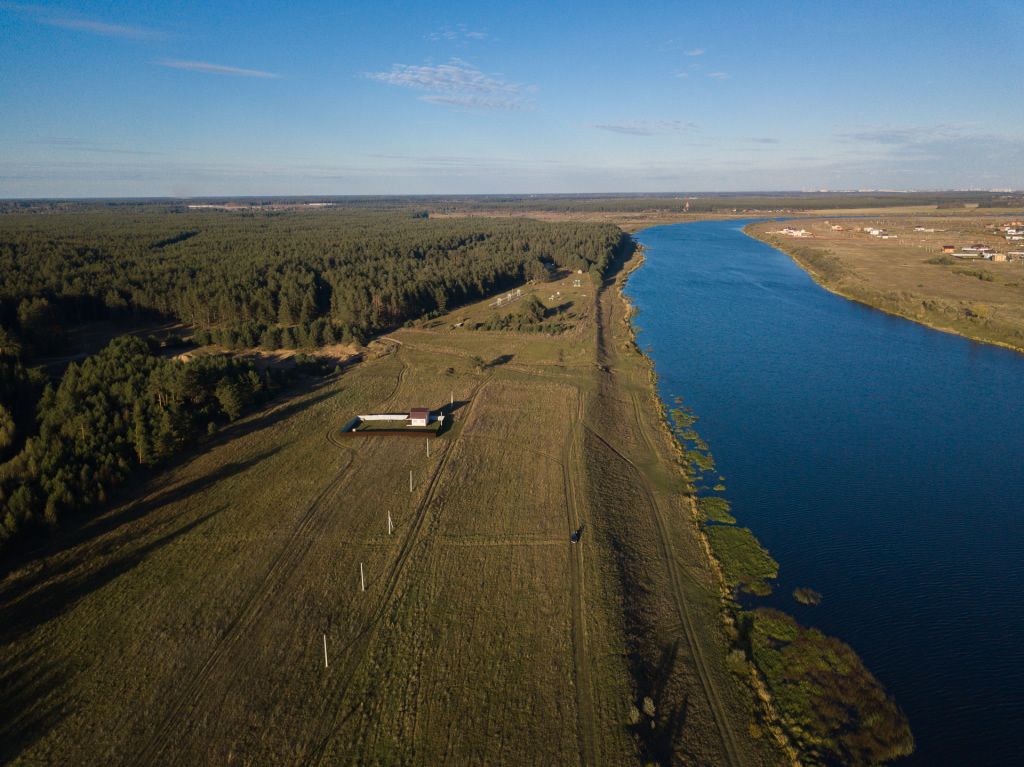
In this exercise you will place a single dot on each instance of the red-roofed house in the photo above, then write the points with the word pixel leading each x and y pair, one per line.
pixel 419 416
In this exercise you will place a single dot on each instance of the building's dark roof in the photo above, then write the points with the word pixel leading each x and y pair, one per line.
pixel 419 412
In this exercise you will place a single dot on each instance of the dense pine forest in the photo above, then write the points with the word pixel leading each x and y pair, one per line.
pixel 291 278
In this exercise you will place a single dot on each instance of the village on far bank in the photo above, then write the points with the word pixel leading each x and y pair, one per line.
pixel 1003 242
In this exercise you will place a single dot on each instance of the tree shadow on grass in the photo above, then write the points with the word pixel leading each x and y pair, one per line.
pixel 502 359
pixel 26 711
pixel 659 734
pixel 273 414
pixel 52 594
pixel 85 530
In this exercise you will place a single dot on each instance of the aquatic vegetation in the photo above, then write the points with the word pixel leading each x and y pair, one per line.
pixel 715 509
pixel 747 565
pixel 806 596
pixel 700 461
pixel 682 417
pixel 831 705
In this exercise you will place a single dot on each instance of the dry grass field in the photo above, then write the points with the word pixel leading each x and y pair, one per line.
pixel 910 276
pixel 187 625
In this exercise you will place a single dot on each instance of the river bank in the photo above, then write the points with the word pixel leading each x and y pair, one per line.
pixel 769 719
pixel 922 288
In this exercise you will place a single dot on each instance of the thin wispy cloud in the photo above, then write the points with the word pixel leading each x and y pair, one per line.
pixel 718 75
pixel 764 140
pixel 79 145
pixel 938 146
pixel 460 32
pixel 904 136
pixel 696 52
pixel 53 17
pixel 682 75
pixel 215 69
pixel 648 127
pixel 456 83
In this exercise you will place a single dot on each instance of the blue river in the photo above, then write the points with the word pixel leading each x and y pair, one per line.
pixel 881 463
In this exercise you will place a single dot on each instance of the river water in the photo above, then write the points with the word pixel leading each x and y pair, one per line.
pixel 881 463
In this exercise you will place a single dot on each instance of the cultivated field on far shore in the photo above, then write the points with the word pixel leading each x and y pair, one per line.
pixel 188 624
pixel 911 276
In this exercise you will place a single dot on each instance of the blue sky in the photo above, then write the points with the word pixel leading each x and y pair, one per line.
pixel 198 98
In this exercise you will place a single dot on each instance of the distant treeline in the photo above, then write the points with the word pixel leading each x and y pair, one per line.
pixel 286 278
pixel 725 203
pixel 422 205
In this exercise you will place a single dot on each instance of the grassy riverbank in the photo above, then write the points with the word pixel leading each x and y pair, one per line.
pixel 910 276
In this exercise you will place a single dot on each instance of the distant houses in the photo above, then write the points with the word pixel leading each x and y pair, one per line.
pixel 791 232
pixel 1013 231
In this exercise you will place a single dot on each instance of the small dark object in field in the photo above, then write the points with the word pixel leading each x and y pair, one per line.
pixel 575 537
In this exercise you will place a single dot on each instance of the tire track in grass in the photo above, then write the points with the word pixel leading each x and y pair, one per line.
pixel 585 719
pixel 295 547
pixel 292 551
pixel 722 724
pixel 355 651
pixel 679 597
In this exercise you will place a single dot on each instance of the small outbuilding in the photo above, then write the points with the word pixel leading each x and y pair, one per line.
pixel 419 416
pixel 948 248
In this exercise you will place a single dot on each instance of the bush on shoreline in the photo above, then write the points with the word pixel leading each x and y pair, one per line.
pixel 746 563
pixel 832 706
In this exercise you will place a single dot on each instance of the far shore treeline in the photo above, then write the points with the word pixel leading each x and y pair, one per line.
pixel 271 279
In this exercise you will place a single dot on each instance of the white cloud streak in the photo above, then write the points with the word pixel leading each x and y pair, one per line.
pixel 215 69
pixel 718 75
pixel 52 18
pixel 456 84
pixel 648 127
pixel 458 33
pixel 696 52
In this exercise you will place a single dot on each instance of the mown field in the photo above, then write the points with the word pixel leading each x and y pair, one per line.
pixel 910 276
pixel 187 624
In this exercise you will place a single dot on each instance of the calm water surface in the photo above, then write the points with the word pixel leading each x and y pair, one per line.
pixel 881 462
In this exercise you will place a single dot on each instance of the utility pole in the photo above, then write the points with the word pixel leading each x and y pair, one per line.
pixel 410 481
pixel 391 525
pixel 362 578
pixel 325 650
pixel 428 447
